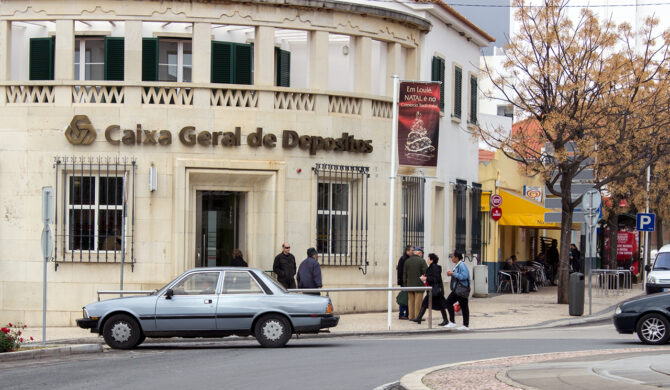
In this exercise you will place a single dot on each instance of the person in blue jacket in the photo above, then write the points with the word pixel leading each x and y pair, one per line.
pixel 309 272
pixel 461 275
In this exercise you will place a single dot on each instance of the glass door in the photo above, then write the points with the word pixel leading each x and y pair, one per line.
pixel 217 227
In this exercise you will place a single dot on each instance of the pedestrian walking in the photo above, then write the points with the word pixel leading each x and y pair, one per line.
pixel 284 266
pixel 460 292
pixel 238 260
pixel 553 258
pixel 309 272
pixel 575 257
pixel 433 278
pixel 415 267
pixel 403 313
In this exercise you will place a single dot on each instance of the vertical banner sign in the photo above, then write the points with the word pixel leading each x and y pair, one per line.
pixel 418 124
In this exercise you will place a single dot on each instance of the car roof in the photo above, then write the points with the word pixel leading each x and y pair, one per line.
pixel 223 269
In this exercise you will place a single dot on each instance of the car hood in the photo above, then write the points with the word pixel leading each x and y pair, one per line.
pixel 118 303
pixel 647 299
pixel 661 273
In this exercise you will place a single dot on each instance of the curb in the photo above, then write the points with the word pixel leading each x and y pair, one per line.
pixel 51 352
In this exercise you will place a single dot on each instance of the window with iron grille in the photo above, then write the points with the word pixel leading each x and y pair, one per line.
pixel 342 214
pixel 94 218
pixel 412 210
pixel 460 192
pixel 476 218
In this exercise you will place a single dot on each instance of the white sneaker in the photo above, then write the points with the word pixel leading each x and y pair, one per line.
pixel 462 327
pixel 450 325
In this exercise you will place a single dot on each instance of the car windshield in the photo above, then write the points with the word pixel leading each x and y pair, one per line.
pixel 662 261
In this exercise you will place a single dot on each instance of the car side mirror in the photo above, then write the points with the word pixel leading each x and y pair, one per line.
pixel 169 293
pixel 647 268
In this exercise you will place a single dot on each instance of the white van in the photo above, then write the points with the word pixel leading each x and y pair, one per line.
pixel 658 278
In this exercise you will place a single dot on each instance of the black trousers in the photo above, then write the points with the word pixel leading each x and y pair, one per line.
pixel 453 298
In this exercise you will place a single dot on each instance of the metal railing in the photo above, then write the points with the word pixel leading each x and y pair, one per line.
pixel 408 289
pixel 615 280
pixel 311 290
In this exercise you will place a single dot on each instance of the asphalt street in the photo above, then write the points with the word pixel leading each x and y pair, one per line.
pixel 314 363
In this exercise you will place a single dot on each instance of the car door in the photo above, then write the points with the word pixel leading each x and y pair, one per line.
pixel 193 305
pixel 241 298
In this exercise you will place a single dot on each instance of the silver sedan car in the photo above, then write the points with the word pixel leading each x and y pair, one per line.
pixel 211 302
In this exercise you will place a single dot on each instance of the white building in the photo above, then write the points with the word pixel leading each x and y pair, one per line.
pixel 261 123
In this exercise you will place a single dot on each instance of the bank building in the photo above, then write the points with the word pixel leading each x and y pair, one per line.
pixel 173 132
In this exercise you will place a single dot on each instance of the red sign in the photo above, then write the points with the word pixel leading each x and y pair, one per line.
pixel 418 123
pixel 496 213
pixel 496 200
pixel 626 245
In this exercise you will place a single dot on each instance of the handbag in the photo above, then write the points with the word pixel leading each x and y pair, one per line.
pixel 437 290
pixel 402 298
pixel 461 290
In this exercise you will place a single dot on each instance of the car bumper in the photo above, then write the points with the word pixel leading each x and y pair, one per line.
pixel 658 286
pixel 88 323
pixel 625 322
pixel 329 322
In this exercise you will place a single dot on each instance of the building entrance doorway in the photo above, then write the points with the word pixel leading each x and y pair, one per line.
pixel 217 227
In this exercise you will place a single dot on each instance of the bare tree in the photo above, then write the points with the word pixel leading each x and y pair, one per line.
pixel 600 102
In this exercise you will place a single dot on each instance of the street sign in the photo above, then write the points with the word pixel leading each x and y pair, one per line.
pixel 591 200
pixel 47 243
pixel 646 222
pixel 496 213
pixel 496 200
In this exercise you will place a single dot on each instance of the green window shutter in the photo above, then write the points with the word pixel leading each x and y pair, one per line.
pixel 458 91
pixel 473 99
pixel 283 58
pixel 149 59
pixel 437 74
pixel 114 58
pixel 42 58
pixel 222 62
pixel 242 63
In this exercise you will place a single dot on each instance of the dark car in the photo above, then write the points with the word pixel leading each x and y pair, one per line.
pixel 648 316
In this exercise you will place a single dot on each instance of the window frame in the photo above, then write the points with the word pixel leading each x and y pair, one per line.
pixel 332 213
pixel 456 100
pixel 473 101
pixel 438 67
pixel 180 59
pixel 82 57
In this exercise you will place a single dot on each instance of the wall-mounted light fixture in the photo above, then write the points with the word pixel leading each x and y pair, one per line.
pixel 153 178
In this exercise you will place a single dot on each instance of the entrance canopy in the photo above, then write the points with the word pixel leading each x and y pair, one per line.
pixel 524 212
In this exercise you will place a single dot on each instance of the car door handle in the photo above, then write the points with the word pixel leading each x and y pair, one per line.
pixel 208 301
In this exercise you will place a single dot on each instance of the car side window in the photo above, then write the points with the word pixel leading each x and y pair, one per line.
pixel 240 282
pixel 201 283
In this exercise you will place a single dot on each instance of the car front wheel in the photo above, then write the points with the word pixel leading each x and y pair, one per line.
pixel 654 329
pixel 122 332
pixel 272 331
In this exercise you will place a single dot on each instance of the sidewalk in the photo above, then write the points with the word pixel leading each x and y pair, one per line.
pixel 537 309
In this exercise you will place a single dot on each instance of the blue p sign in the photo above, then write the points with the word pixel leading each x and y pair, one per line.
pixel 646 222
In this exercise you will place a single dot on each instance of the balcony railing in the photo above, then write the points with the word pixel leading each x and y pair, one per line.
pixel 216 96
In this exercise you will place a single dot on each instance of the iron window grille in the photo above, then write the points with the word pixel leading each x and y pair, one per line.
pixel 460 191
pixel 342 214
pixel 95 210
pixel 413 191
pixel 476 218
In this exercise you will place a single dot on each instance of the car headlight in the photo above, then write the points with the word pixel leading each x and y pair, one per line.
pixel 85 312
pixel 651 279
pixel 618 310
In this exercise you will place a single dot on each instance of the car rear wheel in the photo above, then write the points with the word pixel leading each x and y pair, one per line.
pixel 272 331
pixel 121 331
pixel 653 328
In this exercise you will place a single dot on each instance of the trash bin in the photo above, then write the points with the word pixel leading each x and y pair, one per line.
pixel 481 281
pixel 576 294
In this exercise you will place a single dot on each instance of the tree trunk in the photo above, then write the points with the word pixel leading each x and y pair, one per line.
pixel 613 230
pixel 659 231
pixel 566 231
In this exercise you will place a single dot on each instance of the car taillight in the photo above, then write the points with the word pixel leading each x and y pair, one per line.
pixel 329 309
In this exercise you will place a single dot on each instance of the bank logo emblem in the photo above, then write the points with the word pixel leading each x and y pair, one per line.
pixel 80 131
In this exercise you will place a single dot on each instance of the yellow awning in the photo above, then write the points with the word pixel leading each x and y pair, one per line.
pixel 523 212
pixel 485 204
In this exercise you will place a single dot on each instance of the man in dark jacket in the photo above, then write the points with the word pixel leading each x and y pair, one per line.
pixel 553 257
pixel 284 266
pixel 403 309
pixel 575 256
pixel 309 272
pixel 415 267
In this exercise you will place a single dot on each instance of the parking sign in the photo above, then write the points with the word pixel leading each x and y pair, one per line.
pixel 646 222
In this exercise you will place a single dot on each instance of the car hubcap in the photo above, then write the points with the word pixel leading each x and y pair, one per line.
pixel 653 329
pixel 121 332
pixel 273 330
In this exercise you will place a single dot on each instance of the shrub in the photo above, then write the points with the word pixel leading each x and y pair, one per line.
pixel 10 337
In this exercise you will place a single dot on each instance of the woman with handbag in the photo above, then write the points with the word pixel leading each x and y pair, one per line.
pixel 460 291
pixel 433 278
